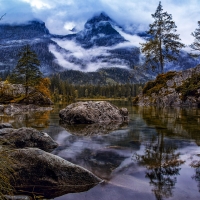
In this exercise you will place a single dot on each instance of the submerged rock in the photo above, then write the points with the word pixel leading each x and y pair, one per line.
pixel 93 112
pixel 12 109
pixel 5 125
pixel 27 137
pixel 49 175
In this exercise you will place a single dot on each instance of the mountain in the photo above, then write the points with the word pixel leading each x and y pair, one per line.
pixel 103 52
pixel 98 31
pixel 34 33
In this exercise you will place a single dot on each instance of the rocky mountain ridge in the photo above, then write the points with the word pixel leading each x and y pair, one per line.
pixel 100 46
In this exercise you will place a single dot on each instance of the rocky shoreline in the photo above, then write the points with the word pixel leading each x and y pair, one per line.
pixel 33 166
pixel 35 169
pixel 180 89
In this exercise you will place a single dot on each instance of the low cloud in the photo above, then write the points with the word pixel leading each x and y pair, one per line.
pixel 60 16
pixel 87 56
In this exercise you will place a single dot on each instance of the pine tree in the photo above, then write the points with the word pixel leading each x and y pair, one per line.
pixel 163 45
pixel 27 72
pixel 196 44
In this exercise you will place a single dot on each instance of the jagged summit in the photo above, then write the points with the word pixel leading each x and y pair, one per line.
pixel 102 44
pixel 98 31
pixel 99 18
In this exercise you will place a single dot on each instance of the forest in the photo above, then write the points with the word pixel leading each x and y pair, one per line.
pixel 63 91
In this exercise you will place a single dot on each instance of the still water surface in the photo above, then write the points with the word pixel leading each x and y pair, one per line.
pixel 155 156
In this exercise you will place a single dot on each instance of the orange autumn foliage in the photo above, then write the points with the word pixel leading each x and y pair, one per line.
pixel 43 86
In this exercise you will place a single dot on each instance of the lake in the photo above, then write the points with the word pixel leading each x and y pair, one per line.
pixel 155 156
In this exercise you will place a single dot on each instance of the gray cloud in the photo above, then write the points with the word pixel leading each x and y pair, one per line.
pixel 132 14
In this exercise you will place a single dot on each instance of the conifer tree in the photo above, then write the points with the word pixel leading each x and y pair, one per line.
pixel 27 72
pixel 164 44
pixel 196 44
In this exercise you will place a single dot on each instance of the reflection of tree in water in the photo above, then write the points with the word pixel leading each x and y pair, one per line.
pixel 162 163
pixel 182 122
pixel 196 164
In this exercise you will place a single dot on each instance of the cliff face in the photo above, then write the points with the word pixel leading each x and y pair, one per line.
pixel 172 89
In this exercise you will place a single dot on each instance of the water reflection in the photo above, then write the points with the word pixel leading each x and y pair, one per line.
pixel 196 165
pixel 39 120
pixel 160 139
pixel 163 166
pixel 93 129
pixel 173 122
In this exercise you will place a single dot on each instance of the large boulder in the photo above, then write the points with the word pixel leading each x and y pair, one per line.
pixel 12 109
pixel 27 137
pixel 47 175
pixel 93 112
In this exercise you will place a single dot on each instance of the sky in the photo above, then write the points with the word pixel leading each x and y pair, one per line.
pixel 60 16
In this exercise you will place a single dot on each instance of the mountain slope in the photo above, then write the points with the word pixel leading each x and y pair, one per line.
pixel 101 46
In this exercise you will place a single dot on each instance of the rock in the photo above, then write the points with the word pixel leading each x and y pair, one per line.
pixel 27 137
pixel 15 93
pixel 13 109
pixel 36 98
pixel 169 95
pixel 48 175
pixel 93 129
pixel 5 125
pixel 93 112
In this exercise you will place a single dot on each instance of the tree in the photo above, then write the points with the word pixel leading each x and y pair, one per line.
pixel 43 86
pixel 163 45
pixel 196 44
pixel 27 72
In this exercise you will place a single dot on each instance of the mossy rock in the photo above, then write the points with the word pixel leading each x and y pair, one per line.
pixel 160 82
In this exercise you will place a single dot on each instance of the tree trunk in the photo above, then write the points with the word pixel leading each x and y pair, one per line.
pixel 161 57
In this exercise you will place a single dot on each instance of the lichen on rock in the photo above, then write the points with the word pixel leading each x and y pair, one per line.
pixel 172 89
pixel 92 112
